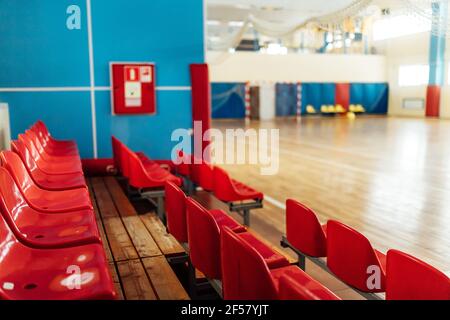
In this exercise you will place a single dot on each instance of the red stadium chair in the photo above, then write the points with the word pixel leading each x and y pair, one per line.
pixel 42 230
pixel 49 153
pixel 73 160
pixel 232 191
pixel 408 278
pixel 304 234
pixel 350 255
pixel 245 274
pixel 304 231
pixel 49 167
pixel 176 212
pixel 204 237
pixel 51 148
pixel 184 164
pixel 141 178
pixel 42 128
pixel 300 286
pixel 117 154
pixel 205 176
pixel 42 179
pixel 45 200
pixel 77 273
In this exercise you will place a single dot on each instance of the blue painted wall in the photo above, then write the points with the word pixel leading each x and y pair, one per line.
pixel 37 50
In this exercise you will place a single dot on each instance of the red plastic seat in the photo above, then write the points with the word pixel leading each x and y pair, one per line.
pixel 42 179
pixel 229 190
pixel 141 178
pixel 303 230
pixel 204 237
pixel 45 200
pixel 245 274
pixel 205 176
pixel 73 150
pixel 49 167
pixel 52 149
pixel 300 286
pixel 117 154
pixel 76 273
pixel 51 154
pixel 408 278
pixel 183 164
pixel 176 212
pixel 42 230
pixel 42 128
pixel 349 256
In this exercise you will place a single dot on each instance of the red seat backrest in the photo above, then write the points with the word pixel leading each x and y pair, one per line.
pixel 41 125
pixel 205 176
pixel 203 239
pixel 35 140
pixel 30 146
pixel 408 278
pixel 349 255
pixel 245 275
pixel 125 154
pixel 12 162
pixel 41 136
pixel 222 185
pixel 176 212
pixel 19 148
pixel 133 167
pixel 309 289
pixel 303 230
pixel 13 205
pixel 184 162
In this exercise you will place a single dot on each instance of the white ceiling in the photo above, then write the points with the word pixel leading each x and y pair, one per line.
pixel 284 11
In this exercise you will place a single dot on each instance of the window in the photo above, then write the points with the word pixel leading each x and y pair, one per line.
pixel 398 26
pixel 413 75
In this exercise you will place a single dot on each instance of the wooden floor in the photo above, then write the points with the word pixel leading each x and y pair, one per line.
pixel 387 177
pixel 137 246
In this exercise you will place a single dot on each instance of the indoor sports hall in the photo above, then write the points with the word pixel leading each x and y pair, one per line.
pixel 208 151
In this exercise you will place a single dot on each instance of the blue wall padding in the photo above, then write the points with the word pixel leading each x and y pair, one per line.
pixel 286 99
pixel 372 96
pixel 228 100
pixel 37 50
pixel 317 94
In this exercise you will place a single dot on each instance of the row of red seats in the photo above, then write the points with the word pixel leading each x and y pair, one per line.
pixel 141 171
pixel 222 249
pixel 349 254
pixel 216 180
pixel 49 239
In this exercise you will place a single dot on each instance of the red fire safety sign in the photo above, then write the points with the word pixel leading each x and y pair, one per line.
pixel 133 88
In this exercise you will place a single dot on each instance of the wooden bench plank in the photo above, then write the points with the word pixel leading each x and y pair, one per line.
pixel 141 237
pixel 136 285
pixel 116 281
pixel 121 246
pixel 164 280
pixel 105 204
pixel 101 228
pixel 166 242
pixel 124 206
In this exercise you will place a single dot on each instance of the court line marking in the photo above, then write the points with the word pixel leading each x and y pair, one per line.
pixel 92 78
pixel 275 202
